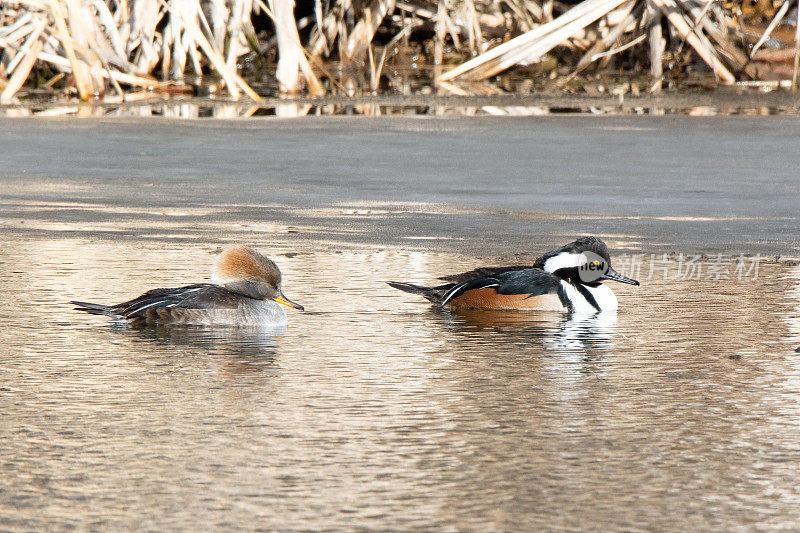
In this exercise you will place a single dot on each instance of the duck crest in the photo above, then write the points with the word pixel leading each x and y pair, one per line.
pixel 244 263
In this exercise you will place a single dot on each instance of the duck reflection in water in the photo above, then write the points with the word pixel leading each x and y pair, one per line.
pixel 565 332
pixel 251 348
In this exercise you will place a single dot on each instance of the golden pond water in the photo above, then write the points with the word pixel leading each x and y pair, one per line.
pixel 374 411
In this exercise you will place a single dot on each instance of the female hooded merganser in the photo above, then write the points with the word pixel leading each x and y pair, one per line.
pixel 246 292
pixel 567 279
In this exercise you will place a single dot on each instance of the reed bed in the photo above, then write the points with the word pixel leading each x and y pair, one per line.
pixel 127 49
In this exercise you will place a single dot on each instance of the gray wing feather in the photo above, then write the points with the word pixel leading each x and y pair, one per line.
pixel 197 296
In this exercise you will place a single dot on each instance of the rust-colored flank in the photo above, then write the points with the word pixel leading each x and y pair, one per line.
pixel 488 298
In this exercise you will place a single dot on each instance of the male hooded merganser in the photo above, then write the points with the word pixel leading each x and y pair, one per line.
pixel 567 279
pixel 246 292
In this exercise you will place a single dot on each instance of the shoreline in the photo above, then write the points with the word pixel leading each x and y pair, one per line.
pixel 720 101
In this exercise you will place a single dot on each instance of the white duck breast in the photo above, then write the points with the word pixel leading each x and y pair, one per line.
pixel 604 296
pixel 262 312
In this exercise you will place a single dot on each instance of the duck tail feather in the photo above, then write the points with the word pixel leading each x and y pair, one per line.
pixel 431 293
pixel 95 309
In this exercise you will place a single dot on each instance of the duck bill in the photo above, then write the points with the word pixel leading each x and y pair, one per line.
pixel 281 299
pixel 613 275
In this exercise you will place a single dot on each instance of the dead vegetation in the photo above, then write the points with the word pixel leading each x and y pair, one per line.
pixel 126 49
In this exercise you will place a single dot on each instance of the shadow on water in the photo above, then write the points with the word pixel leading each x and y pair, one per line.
pixel 251 347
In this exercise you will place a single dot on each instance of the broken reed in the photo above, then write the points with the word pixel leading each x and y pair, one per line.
pixel 146 45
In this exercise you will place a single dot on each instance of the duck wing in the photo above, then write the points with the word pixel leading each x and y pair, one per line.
pixel 197 296
pixel 529 288
pixel 481 272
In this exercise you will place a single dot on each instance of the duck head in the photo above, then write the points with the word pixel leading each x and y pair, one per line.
pixel 585 261
pixel 244 271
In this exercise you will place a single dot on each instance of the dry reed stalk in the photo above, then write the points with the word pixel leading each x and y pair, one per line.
pixel 31 36
pixel 473 24
pixel 122 42
pixel 451 88
pixel 796 48
pixel 319 18
pixel 613 36
pixel 289 47
pixel 130 79
pixel 121 77
pixel 657 45
pixel 438 46
pixel 234 29
pixel 718 34
pixel 523 18
pixel 232 80
pixel 187 12
pixel 630 44
pixel 108 23
pixel 531 45
pixel 289 30
pixel 327 30
pixel 536 50
pixel 400 35
pixel 361 36
pixel 21 73
pixel 678 21
pixel 413 9
pixel 107 70
pixel 217 15
pixel 773 23
pixel 775 55
pixel 78 70
pixel 449 25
